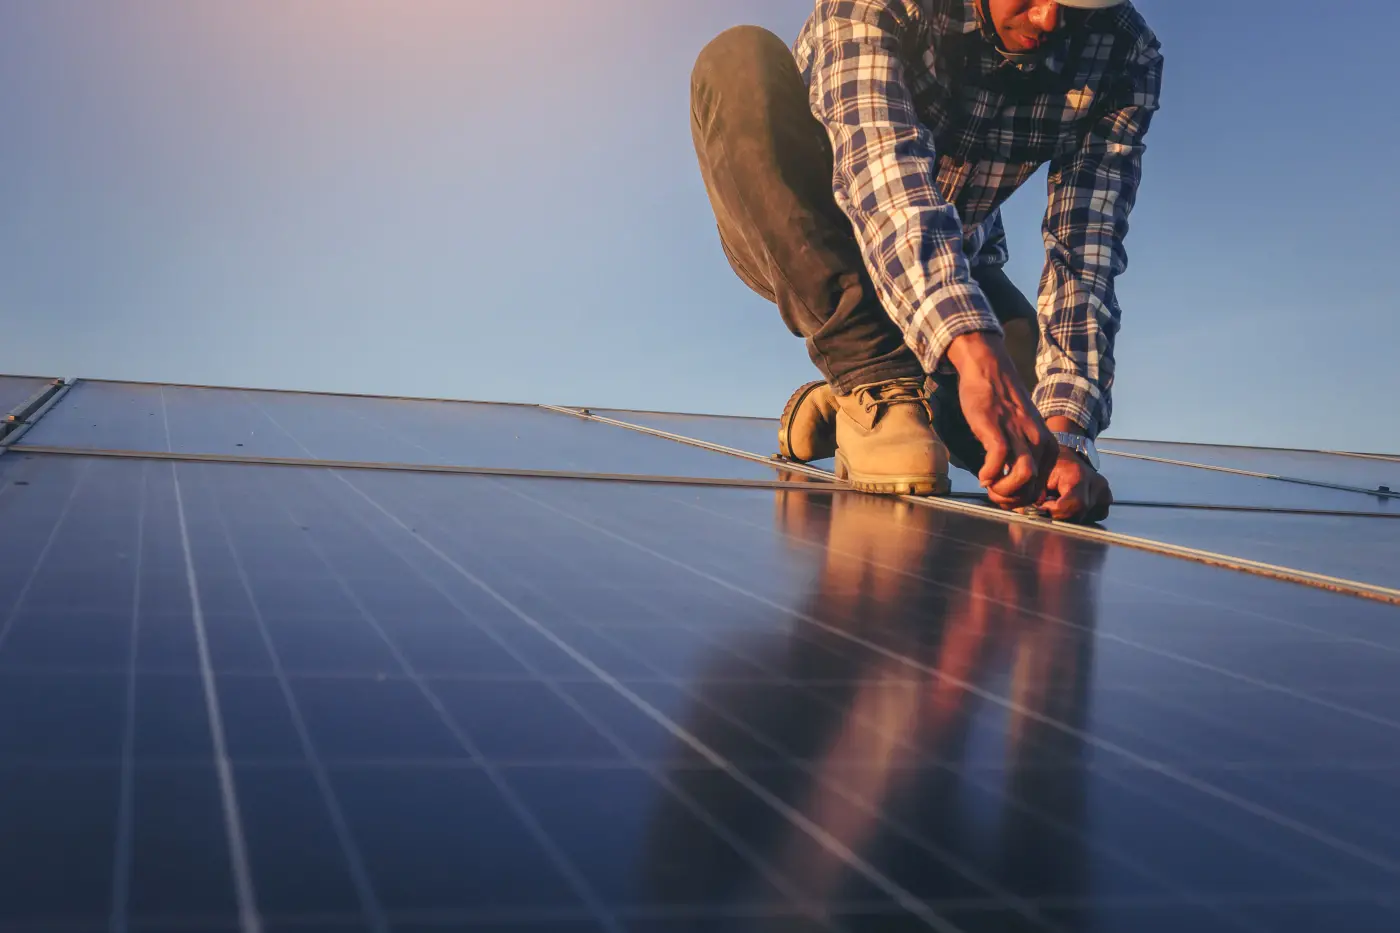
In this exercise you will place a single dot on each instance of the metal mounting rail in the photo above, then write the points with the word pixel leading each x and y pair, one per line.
pixel 1388 458
pixel 1378 493
pixel 1322 581
pixel 774 462
pixel 1091 533
pixel 816 472
pixel 22 417
pixel 395 467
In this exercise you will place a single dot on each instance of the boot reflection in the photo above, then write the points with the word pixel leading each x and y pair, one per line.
pixel 892 746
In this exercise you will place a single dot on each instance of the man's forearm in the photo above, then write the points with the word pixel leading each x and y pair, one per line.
pixel 975 355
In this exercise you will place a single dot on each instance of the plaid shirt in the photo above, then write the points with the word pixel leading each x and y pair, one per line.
pixel 932 129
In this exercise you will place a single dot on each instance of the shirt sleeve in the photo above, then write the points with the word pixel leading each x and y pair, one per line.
pixel 884 174
pixel 1092 192
pixel 994 252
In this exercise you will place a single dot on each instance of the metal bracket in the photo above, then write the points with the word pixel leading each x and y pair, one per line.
pixel 28 412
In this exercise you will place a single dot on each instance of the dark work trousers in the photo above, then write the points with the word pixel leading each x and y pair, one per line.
pixel 767 166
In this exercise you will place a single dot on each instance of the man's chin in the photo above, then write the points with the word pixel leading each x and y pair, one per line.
pixel 1019 42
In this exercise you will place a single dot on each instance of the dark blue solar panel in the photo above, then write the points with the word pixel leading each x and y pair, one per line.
pixel 131 416
pixel 1362 472
pixel 754 435
pixel 1350 547
pixel 471 703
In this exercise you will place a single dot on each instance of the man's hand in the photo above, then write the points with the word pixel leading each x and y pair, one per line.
pixel 1075 491
pixel 1021 451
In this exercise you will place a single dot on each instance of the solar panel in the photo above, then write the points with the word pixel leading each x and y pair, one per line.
pixel 1352 547
pixel 269 697
pixel 1366 472
pixel 132 416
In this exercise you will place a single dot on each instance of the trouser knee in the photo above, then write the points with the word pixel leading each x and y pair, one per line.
pixel 737 58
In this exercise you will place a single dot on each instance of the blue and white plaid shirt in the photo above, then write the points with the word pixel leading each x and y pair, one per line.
pixel 932 129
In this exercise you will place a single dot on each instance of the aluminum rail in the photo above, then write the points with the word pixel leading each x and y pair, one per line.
pixel 396 467
pixel 1259 568
pixel 1381 493
pixel 24 416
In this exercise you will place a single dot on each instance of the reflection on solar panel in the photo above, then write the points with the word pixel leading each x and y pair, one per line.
pixel 255 696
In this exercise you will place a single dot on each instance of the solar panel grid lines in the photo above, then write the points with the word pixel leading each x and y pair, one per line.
pixel 1114 748
pixel 1380 564
pixel 249 917
pixel 122 856
pixel 592 723
pixel 482 435
pixel 1388 722
pixel 902 898
pixel 1014 729
pixel 932 848
pixel 1012 554
pixel 1376 571
pixel 561 862
pixel 1002 897
pixel 368 900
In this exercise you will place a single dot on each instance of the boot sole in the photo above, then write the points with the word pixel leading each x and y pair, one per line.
pixel 929 484
pixel 789 410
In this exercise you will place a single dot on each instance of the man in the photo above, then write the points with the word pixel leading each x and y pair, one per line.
pixel 857 180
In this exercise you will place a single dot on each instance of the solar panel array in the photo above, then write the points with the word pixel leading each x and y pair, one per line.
pixel 247 695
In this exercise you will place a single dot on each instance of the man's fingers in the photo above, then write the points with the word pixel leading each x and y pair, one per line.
pixel 994 463
pixel 1006 502
pixel 1018 483
pixel 1067 507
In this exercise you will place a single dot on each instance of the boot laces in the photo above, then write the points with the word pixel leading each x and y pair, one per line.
pixel 878 396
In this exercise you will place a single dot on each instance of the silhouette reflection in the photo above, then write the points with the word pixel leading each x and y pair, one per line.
pixel 965 802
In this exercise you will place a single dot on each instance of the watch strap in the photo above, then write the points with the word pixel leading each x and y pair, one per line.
pixel 1081 445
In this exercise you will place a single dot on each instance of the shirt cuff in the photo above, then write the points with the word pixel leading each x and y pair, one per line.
pixel 946 315
pixel 1073 397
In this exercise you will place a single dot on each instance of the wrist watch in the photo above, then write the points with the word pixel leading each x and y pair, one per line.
pixel 1080 445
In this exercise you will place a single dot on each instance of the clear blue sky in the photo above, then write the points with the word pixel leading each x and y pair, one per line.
pixel 500 200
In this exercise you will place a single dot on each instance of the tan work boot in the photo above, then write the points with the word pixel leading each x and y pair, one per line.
pixel 884 432
pixel 807 429
pixel 885 442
